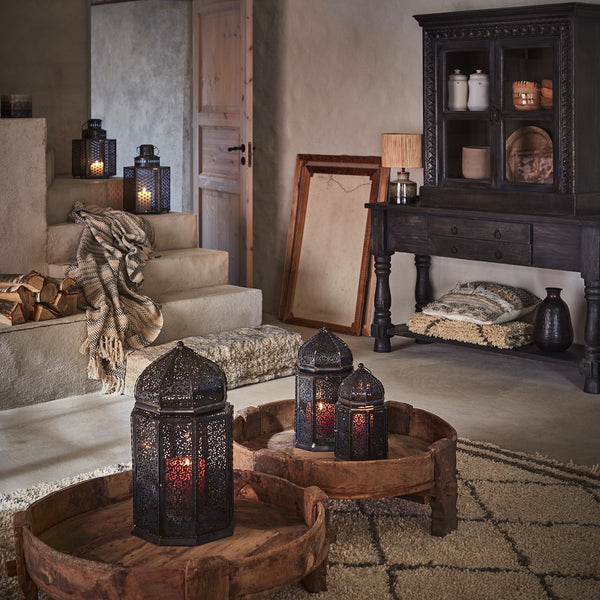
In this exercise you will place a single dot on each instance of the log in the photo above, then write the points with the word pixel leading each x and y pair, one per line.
pixel 32 280
pixel 11 312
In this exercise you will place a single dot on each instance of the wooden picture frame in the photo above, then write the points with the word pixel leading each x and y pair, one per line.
pixel 327 264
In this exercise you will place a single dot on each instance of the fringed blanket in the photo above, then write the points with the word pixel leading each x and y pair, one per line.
pixel 113 248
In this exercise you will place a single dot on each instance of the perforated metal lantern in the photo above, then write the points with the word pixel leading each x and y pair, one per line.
pixel 93 156
pixel 147 185
pixel 361 427
pixel 182 447
pixel 323 362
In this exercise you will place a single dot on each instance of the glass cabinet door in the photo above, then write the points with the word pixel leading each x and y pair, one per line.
pixel 466 129
pixel 497 106
pixel 528 124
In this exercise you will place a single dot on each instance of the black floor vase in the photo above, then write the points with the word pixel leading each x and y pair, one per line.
pixel 553 331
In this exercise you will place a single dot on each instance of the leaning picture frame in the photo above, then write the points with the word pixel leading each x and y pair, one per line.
pixel 327 266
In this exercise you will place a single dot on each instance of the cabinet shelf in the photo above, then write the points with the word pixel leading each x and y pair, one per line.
pixel 571 357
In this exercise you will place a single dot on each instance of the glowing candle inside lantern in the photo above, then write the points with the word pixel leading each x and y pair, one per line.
pixel 325 419
pixel 144 197
pixel 178 484
pixel 97 168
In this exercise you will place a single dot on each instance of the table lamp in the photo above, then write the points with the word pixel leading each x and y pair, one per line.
pixel 401 150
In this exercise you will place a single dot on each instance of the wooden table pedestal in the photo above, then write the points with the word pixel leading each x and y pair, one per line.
pixel 421 463
pixel 77 543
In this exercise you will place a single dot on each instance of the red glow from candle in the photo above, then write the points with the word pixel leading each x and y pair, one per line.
pixel 178 483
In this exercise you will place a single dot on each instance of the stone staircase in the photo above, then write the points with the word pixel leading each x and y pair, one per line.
pixel 41 361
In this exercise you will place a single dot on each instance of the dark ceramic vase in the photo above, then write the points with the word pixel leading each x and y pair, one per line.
pixel 553 331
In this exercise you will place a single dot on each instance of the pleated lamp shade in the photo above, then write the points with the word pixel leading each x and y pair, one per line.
pixel 401 150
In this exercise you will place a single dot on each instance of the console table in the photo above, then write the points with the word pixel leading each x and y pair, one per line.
pixel 563 243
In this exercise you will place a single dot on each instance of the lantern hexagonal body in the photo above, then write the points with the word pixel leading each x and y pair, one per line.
pixel 361 427
pixel 323 362
pixel 182 449
pixel 146 185
pixel 93 156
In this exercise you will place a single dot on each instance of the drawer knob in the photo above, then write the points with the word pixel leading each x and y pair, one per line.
pixel 498 254
pixel 454 229
pixel 454 250
pixel 497 234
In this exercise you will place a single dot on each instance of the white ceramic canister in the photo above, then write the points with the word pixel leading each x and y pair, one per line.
pixel 479 91
pixel 458 90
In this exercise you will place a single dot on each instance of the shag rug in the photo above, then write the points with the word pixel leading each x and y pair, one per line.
pixel 529 529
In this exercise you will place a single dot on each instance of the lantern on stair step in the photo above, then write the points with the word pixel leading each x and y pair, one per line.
pixel 147 185
pixel 361 426
pixel 323 362
pixel 182 450
pixel 93 156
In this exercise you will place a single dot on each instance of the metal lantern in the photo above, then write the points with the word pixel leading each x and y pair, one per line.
pixel 182 447
pixel 323 362
pixel 147 185
pixel 361 428
pixel 93 156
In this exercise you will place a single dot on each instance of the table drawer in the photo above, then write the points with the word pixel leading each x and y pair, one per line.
pixel 515 254
pixel 481 229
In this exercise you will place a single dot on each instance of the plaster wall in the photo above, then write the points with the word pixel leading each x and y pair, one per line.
pixel 141 77
pixel 330 77
pixel 23 195
pixel 45 53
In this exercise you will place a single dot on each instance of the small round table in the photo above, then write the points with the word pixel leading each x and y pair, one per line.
pixel 421 463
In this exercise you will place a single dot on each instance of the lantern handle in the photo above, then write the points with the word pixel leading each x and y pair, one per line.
pixel 156 149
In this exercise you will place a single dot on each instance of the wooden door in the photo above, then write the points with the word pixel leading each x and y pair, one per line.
pixel 223 130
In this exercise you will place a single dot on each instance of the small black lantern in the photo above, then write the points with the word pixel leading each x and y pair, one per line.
pixel 93 156
pixel 182 449
pixel 323 362
pixel 361 427
pixel 147 185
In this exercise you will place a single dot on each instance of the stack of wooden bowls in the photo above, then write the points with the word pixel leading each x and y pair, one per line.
pixel 546 100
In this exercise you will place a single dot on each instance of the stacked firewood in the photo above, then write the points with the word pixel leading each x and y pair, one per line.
pixel 34 297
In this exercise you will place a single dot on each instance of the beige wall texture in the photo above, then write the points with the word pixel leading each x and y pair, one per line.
pixel 44 46
pixel 330 77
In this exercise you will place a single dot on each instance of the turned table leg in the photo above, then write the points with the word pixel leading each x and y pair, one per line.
pixel 382 321
pixel 444 517
pixel 591 360
pixel 422 285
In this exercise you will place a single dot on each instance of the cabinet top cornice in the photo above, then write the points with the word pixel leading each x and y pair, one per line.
pixel 509 15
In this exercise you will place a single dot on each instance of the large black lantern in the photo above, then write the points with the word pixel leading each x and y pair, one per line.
pixel 182 447
pixel 147 185
pixel 361 418
pixel 93 156
pixel 323 362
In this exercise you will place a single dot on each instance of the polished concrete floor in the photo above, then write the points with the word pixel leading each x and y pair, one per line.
pixel 520 405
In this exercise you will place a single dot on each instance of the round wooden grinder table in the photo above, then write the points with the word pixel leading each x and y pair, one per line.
pixel 421 463
pixel 77 543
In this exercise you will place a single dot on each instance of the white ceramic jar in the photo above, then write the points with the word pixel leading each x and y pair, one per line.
pixel 458 90
pixel 479 91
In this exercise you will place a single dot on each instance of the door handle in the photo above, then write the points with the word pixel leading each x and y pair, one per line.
pixel 242 148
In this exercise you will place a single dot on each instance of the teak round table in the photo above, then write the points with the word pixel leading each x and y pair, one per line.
pixel 77 543
pixel 421 463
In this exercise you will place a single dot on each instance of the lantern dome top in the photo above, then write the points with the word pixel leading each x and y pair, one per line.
pixel 361 388
pixel 325 351
pixel 181 382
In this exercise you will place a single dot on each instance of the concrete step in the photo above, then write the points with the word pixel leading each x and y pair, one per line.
pixel 66 190
pixel 172 231
pixel 176 270
pixel 41 361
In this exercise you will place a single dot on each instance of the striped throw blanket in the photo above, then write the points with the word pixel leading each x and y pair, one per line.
pixel 114 247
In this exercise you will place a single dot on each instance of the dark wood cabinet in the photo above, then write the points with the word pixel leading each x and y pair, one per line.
pixel 540 205
pixel 542 161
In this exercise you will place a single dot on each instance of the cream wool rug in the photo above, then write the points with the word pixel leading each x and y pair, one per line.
pixel 529 529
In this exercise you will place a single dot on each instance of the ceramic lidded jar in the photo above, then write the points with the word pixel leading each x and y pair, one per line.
pixel 479 91
pixel 458 91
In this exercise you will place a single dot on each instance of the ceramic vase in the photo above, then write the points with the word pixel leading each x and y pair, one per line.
pixel 553 331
